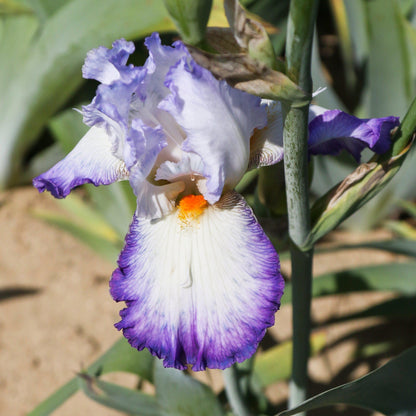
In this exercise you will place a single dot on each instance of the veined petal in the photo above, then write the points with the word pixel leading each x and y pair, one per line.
pixel 266 144
pixel 200 293
pixel 91 161
pixel 154 202
pixel 190 164
pixel 218 121
pixel 333 130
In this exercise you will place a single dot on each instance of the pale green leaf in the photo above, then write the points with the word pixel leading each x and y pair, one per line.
pixel 275 364
pixel 398 246
pixel 402 229
pixel 68 129
pixel 178 394
pixel 389 63
pixel 86 224
pixel 39 79
pixel 102 246
pixel 120 357
pixel 340 16
pixel 87 217
pixel 190 18
pixel 44 8
pixel 389 390
pixel 118 397
pixel 358 29
pixel 394 277
pixel 13 7
pixel 116 203
pixel 409 207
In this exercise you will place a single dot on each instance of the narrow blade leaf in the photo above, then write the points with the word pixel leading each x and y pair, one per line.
pixel 389 390
pixel 395 277
pixel 120 357
pixel 275 364
pixel 118 397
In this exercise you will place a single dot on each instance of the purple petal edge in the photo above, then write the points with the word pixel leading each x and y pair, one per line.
pixel 236 335
pixel 59 186
pixel 334 130
pixel 91 161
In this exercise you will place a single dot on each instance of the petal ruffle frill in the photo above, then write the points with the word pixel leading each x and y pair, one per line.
pixel 201 293
pixel 108 65
pixel 91 161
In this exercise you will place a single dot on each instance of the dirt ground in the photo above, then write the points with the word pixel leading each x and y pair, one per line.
pixel 57 314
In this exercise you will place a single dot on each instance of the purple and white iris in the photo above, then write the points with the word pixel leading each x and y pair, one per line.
pixel 200 279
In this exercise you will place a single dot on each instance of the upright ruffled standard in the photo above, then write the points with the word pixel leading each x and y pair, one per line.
pixel 200 279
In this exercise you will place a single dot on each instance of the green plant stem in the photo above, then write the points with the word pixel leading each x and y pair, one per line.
pixel 302 15
pixel 301 302
pixel 297 184
pixel 234 392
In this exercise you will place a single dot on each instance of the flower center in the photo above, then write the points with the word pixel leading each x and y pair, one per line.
pixel 191 207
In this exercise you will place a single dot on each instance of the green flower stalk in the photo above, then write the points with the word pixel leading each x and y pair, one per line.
pixel 302 16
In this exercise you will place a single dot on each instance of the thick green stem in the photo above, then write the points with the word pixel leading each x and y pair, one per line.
pixel 301 21
pixel 301 301
pixel 297 184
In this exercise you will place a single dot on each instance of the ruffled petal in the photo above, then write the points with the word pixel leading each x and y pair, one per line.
pixel 91 161
pixel 120 87
pixel 200 293
pixel 161 59
pixel 144 145
pixel 218 121
pixel 266 144
pixel 108 65
pixel 333 130
pixel 111 107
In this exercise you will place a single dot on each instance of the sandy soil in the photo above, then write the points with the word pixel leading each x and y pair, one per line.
pixel 57 314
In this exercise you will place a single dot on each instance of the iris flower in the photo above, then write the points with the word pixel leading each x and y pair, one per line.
pixel 199 277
